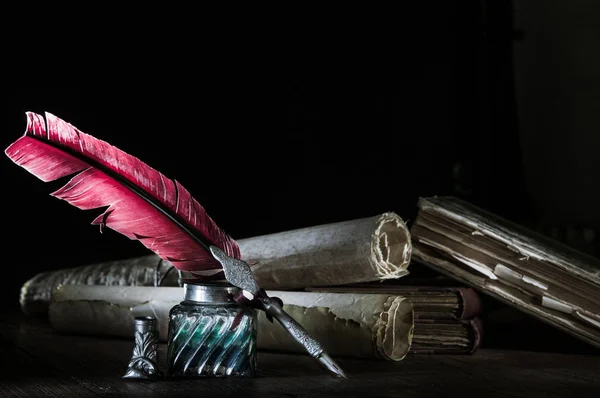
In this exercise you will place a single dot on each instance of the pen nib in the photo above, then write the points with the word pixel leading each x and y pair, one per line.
pixel 330 365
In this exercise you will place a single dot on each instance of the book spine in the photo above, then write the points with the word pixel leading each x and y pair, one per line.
pixel 427 340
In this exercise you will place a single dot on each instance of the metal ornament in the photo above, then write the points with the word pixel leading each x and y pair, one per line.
pixel 144 360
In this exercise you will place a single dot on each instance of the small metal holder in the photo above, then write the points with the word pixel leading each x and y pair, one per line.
pixel 144 360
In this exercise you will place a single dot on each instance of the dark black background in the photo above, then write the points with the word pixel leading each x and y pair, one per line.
pixel 277 137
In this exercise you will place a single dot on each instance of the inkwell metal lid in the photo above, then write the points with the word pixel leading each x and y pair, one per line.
pixel 210 293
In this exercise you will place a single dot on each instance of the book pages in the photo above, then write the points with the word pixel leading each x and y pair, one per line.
pixel 521 268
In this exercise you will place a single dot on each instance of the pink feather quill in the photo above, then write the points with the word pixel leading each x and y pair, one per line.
pixel 141 203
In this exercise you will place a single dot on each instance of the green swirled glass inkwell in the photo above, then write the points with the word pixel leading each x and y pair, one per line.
pixel 210 335
pixel 212 332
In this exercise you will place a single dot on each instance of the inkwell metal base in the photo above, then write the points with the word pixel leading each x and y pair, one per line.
pixel 144 360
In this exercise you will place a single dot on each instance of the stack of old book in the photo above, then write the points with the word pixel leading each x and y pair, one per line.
pixel 348 284
pixel 537 275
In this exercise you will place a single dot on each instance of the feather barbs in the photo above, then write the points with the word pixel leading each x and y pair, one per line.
pixel 140 202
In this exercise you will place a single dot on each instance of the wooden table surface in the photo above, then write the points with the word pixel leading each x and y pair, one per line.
pixel 39 362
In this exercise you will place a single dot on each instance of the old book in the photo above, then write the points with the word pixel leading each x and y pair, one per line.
pixel 436 336
pixel 377 326
pixel 446 318
pixel 367 249
pixel 533 273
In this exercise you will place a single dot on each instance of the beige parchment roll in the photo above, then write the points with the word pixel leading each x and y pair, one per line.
pixel 362 250
pixel 353 325
pixel 148 270
pixel 346 324
pixel 111 310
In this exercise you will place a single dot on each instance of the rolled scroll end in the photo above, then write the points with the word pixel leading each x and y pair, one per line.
pixel 395 329
pixel 391 247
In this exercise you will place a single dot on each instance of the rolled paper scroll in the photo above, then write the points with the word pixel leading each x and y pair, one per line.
pixel 362 250
pixel 111 310
pixel 148 270
pixel 346 324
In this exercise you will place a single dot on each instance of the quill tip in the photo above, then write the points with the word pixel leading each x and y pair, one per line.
pixel 330 365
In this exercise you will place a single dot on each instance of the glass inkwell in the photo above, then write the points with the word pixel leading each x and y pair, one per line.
pixel 210 334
